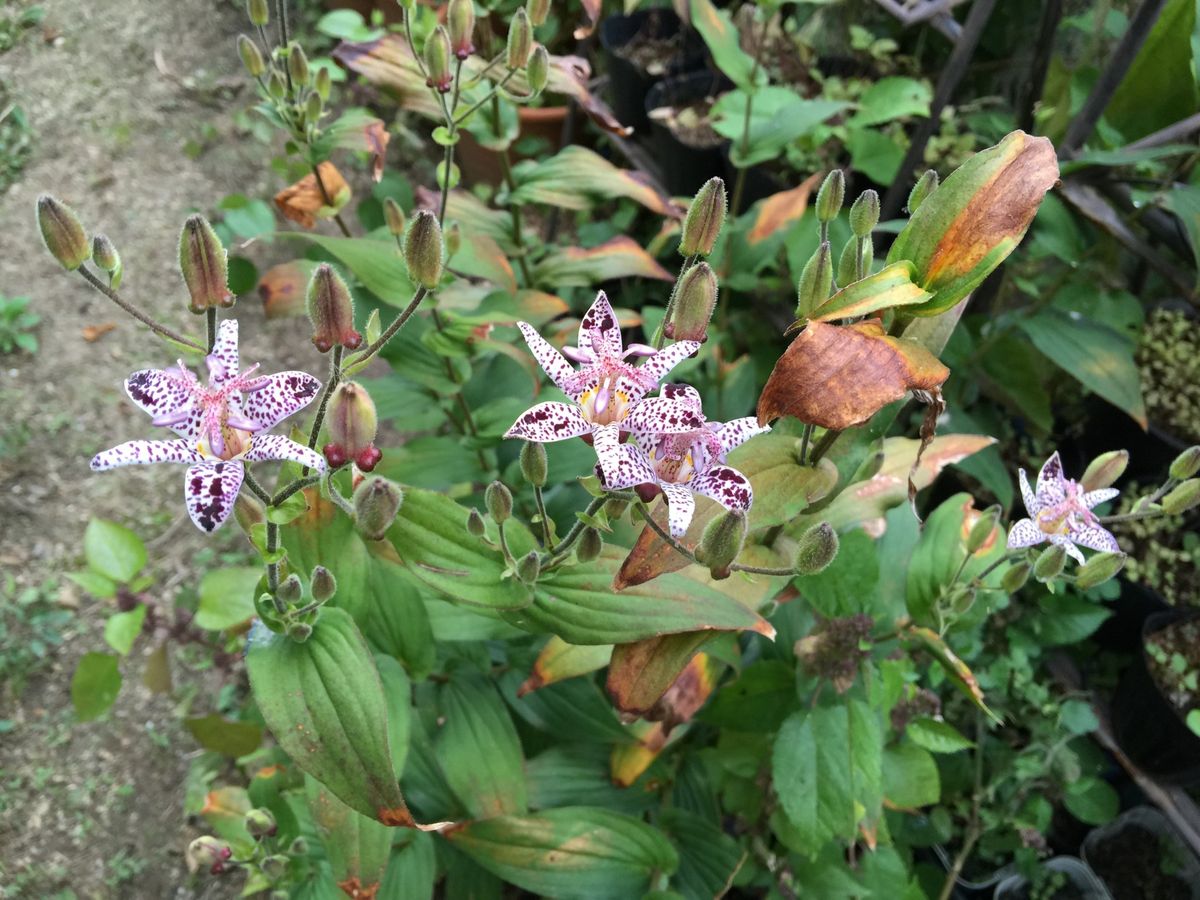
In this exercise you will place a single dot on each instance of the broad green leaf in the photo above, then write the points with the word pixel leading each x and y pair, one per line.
pixel 1097 356
pixel 246 218
pixel 412 871
pixel 228 736
pixel 778 116
pixel 576 178
pixel 95 685
pixel 376 263
pixel 850 585
pixel 572 709
pixel 397 690
pixel 1184 201
pixel 227 597
pixel 782 487
pixel 325 536
pixel 721 36
pixel 347 25
pixel 890 287
pixel 113 550
pixel 94 583
pixel 358 847
pixel 893 97
pixel 1159 88
pixel 558 661
pixel 571 852
pixel 479 750
pixel 577 774
pixel 1078 717
pixel 910 776
pixel 396 621
pixel 1092 800
pixel 620 257
pixel 122 629
pixel 761 697
pixel 288 511
pixel 875 154
pixel 936 736
pixel 431 461
pixel 708 857
pixel 1067 619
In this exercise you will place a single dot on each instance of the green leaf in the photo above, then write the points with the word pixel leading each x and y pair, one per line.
pixel 94 583
pixel 890 287
pixel 875 154
pixel 1184 201
pixel 935 736
pixel 227 597
pixel 412 872
pixel 397 689
pixel 721 36
pixel 122 629
pixel 708 857
pixel 228 736
pixel 1193 721
pixel 326 536
pixel 357 847
pixel 243 276
pixel 288 511
pixel 1092 800
pixel 578 774
pixel 376 263
pixel 95 685
pixel 850 585
pixel 890 98
pixel 113 550
pixel 348 25
pixel 247 218
pixel 758 700
pixel 778 116
pixel 1067 619
pixel 1077 717
pixel 574 708
pixel 572 852
pixel 395 618
pixel 577 178
pixel 910 776
pixel 1097 356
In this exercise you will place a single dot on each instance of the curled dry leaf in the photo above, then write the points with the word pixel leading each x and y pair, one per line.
pixel 93 333
pixel 304 201
pixel 782 209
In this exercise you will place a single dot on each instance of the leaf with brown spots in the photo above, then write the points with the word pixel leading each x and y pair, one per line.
pixel 282 288
pixel 641 673
pixel 304 202
pixel 780 210
pixel 889 288
pixel 559 660
pixel 578 178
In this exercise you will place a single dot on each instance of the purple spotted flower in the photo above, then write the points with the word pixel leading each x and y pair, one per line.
pixel 687 463
pixel 1060 512
pixel 221 425
pixel 607 389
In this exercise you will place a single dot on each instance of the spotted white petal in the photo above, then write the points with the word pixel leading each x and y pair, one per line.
pixel 1094 537
pixel 142 453
pixel 223 361
pixel 684 393
pixel 1095 498
pixel 166 394
pixel 599 331
pixel 552 362
pixel 273 398
pixel 210 490
pixel 1062 540
pixel 681 506
pixel 606 441
pixel 1050 489
pixel 736 432
pixel 727 486
pixel 1032 505
pixel 549 421
pixel 275 446
pixel 633 469
pixel 1025 533
pixel 653 370
pixel 659 415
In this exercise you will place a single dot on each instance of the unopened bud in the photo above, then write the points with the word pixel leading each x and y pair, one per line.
pixel 63 233
pixel 704 219
pixel 297 65
pixel 1099 569
pixel 1050 563
pixel 322 585
pixel 376 503
pixel 453 235
pixel 394 216
pixel 722 542
pixel 312 109
pixel 204 265
pixel 323 83
pixel 275 867
pixel 299 631
pixel 1182 498
pixel 331 310
pixel 460 16
pixel 260 823
pixel 590 544
pixel 1016 576
pixel 275 85
pixel 258 11
pixel 864 214
pixel 248 511
pixel 290 590
pixel 614 509
pixel 831 196
pixel 208 853
pixel 925 186
pixel 695 300
pixel 537 11
pixel 520 40
pixel 537 70
pixel 816 281
pixel 476 527
pixel 353 424
pixel 983 528
pixel 1104 470
pixel 533 463
pixel 423 250
pixel 437 60
pixel 105 255
pixel 499 501
pixel 847 267
pixel 251 56
pixel 529 567
pixel 1186 464
pixel 816 549
pixel 298 847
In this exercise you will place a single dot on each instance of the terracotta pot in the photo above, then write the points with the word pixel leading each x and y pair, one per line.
pixel 480 165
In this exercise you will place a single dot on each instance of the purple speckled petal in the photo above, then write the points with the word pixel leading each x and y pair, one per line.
pixel 552 362
pixel 273 398
pixel 653 370
pixel 599 331
pixel 684 393
pixel 166 394
pixel 727 486
pixel 1025 533
pixel 1050 489
pixel 1094 537
pixel 275 446
pixel 210 489
pixel 142 453
pixel 681 505
pixel 606 441
pixel 659 415
pixel 736 432
pixel 549 421
pixel 1032 505
pixel 633 469
pixel 223 361
pixel 1095 498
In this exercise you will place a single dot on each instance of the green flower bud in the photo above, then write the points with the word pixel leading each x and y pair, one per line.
pixel 537 70
pixel 63 233
pixel 864 214
pixel 831 196
pixel 816 281
pixel 1099 569
pixel 1182 498
pixel 460 16
pixel 260 823
pixel 537 11
pixel 275 867
pixel 423 249
pixel 276 86
pixel 925 186
pixel 816 549
pixel 695 300
pixel 331 310
pixel 437 60
pixel 721 543
pixel 105 255
pixel 252 58
pixel 614 509
pixel 529 567
pixel 476 527
pixel 1050 563
pixel 376 503
pixel 297 65
pixel 290 590
pixel 847 267
pixel 312 109
pixel 204 265
pixel 258 12
pixel 1186 464
pixel 322 585
pixel 323 83
pixel 499 501
pixel 299 631
pixel 533 463
pixel 983 528
pixel 1104 470
pixel 208 853
pixel 520 40
pixel 1016 576
pixel 248 511
pixel 704 219
pixel 453 235
pixel 298 847
pixel 353 424
pixel 394 216
pixel 590 544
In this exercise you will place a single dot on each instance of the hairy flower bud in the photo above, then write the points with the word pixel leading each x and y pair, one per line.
pixel 204 265
pixel 816 281
pixel 323 83
pixel 251 56
pixel 394 216
pixel 461 18
pixel 62 232
pixel 322 585
pixel 537 70
pixel 1016 576
pixel 864 214
pixel 297 65
pixel 105 255
pixel 208 852
pixel 816 549
pixel 983 528
pixel 831 196
pixel 1186 464
pixel 520 40
pixel 312 109
pixel 290 590
pixel 275 85
pixel 529 567
pixel 453 236
pixel 499 501
pixel 258 11
pixel 1050 563
pixel 1104 470
pixel 704 219
pixel 1182 498
pixel 925 186
pixel 260 823
pixel 1099 569
pixel 722 541
pixel 533 463
pixel 331 310
pixel 537 11
pixel 352 428
pixel 299 631
pixel 694 304
pixel 376 503
pixel 437 60
pixel 275 867
pixel 591 542
pixel 476 527
pixel 423 249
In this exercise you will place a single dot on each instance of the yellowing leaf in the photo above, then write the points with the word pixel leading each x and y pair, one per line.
pixel 621 257
pixel 576 177
pixel 782 209
pixel 888 288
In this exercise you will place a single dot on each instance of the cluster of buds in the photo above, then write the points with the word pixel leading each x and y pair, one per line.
pixel 210 854
pixel 331 311
pixel 456 40
pixel 291 611
pixel 820 278
pixel 299 92
pixel 68 243
pixel 695 295
pixel 353 425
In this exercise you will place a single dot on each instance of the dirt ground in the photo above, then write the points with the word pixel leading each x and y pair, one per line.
pixel 96 810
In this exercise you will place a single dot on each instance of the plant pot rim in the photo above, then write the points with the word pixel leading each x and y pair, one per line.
pixel 1072 865
pixel 1148 818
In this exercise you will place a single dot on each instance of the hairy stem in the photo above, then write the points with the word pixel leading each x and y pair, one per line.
pixel 150 323
pixel 568 541
pixel 335 374
pixel 539 500
pixel 210 317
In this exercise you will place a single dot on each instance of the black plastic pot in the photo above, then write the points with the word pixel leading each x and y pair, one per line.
pixel 1122 632
pixel 968 889
pixel 1079 876
pixel 628 83
pixel 1143 870
pixel 685 168
pixel 1147 726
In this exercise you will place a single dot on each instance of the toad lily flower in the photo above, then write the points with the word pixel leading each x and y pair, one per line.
pixel 220 423
pixel 607 390
pixel 687 463
pixel 1061 512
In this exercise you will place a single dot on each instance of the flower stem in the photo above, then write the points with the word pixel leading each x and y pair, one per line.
pixel 671 542
pixel 541 509
pixel 335 375
pixel 568 541
pixel 255 488
pixel 150 323
pixel 336 496
pixel 298 485
pixel 397 324
pixel 804 439
pixel 514 210
pixel 458 120
pixel 273 567
pixel 210 316
pixel 762 570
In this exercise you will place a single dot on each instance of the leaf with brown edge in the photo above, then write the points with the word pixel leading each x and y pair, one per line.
pixel 282 288
pixel 975 218
pixel 559 661
pixel 481 257
pixel 641 673
pixel 839 376
pixel 376 137
pixel 780 210
pixel 304 202
pixel 959 672
pixel 577 178
pixel 890 287
pixel 620 257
